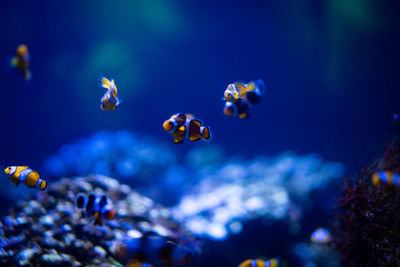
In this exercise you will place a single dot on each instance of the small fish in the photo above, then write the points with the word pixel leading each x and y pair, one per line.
pixel 260 263
pixel 98 207
pixel 138 264
pixel 320 236
pixel 110 99
pixel 238 105
pixel 386 178
pixel 238 90
pixel 21 61
pixel 182 126
pixel 23 174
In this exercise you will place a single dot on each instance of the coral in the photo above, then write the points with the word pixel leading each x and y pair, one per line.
pixel 211 193
pixel 118 154
pixel 368 230
pixel 236 191
pixel 47 230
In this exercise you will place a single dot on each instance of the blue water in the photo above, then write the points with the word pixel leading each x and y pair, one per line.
pixel 330 68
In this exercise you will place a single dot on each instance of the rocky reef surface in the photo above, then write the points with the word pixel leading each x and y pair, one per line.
pixel 211 193
pixel 47 229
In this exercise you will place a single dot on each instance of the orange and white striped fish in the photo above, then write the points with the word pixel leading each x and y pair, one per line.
pixel 24 174
pixel 260 263
pixel 182 126
pixel 386 178
pixel 238 90
pixel 110 99
pixel 21 61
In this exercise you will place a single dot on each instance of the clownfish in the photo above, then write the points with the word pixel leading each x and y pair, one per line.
pixel 98 207
pixel 138 264
pixel 21 61
pixel 260 263
pixel 237 90
pixel 182 126
pixel 110 99
pixel 238 105
pixel 23 174
pixel 320 236
pixel 387 178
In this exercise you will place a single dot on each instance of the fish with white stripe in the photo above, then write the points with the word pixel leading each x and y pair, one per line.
pixel 24 174
pixel 182 126
pixel 110 99
pixel 387 178
pixel 260 263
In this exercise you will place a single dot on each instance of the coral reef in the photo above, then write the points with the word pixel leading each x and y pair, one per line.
pixel 210 193
pixel 241 190
pixel 117 154
pixel 368 231
pixel 47 230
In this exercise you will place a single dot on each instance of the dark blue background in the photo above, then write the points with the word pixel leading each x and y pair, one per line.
pixel 331 70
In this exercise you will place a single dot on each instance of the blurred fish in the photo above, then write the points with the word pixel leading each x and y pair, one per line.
pixel 182 126
pixel 238 90
pixel 138 264
pixel 239 102
pixel 110 99
pixel 21 61
pixel 98 207
pixel 320 236
pixel 19 174
pixel 260 263
pixel 386 178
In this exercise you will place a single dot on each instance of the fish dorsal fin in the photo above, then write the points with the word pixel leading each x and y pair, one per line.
pixel 104 82
pixel 197 122
pixel 250 86
pixel 189 116
pixel 181 116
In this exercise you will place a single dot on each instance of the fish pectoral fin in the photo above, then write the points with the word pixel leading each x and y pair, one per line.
pixel 181 129
pixel 243 115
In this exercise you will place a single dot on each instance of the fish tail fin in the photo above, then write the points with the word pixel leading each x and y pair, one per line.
pixel 205 132
pixel 42 184
pixel 27 75
pixel 261 85
pixel 119 100
pixel 244 115
pixel 104 82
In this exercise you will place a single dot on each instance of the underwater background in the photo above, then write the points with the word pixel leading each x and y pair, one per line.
pixel 331 75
